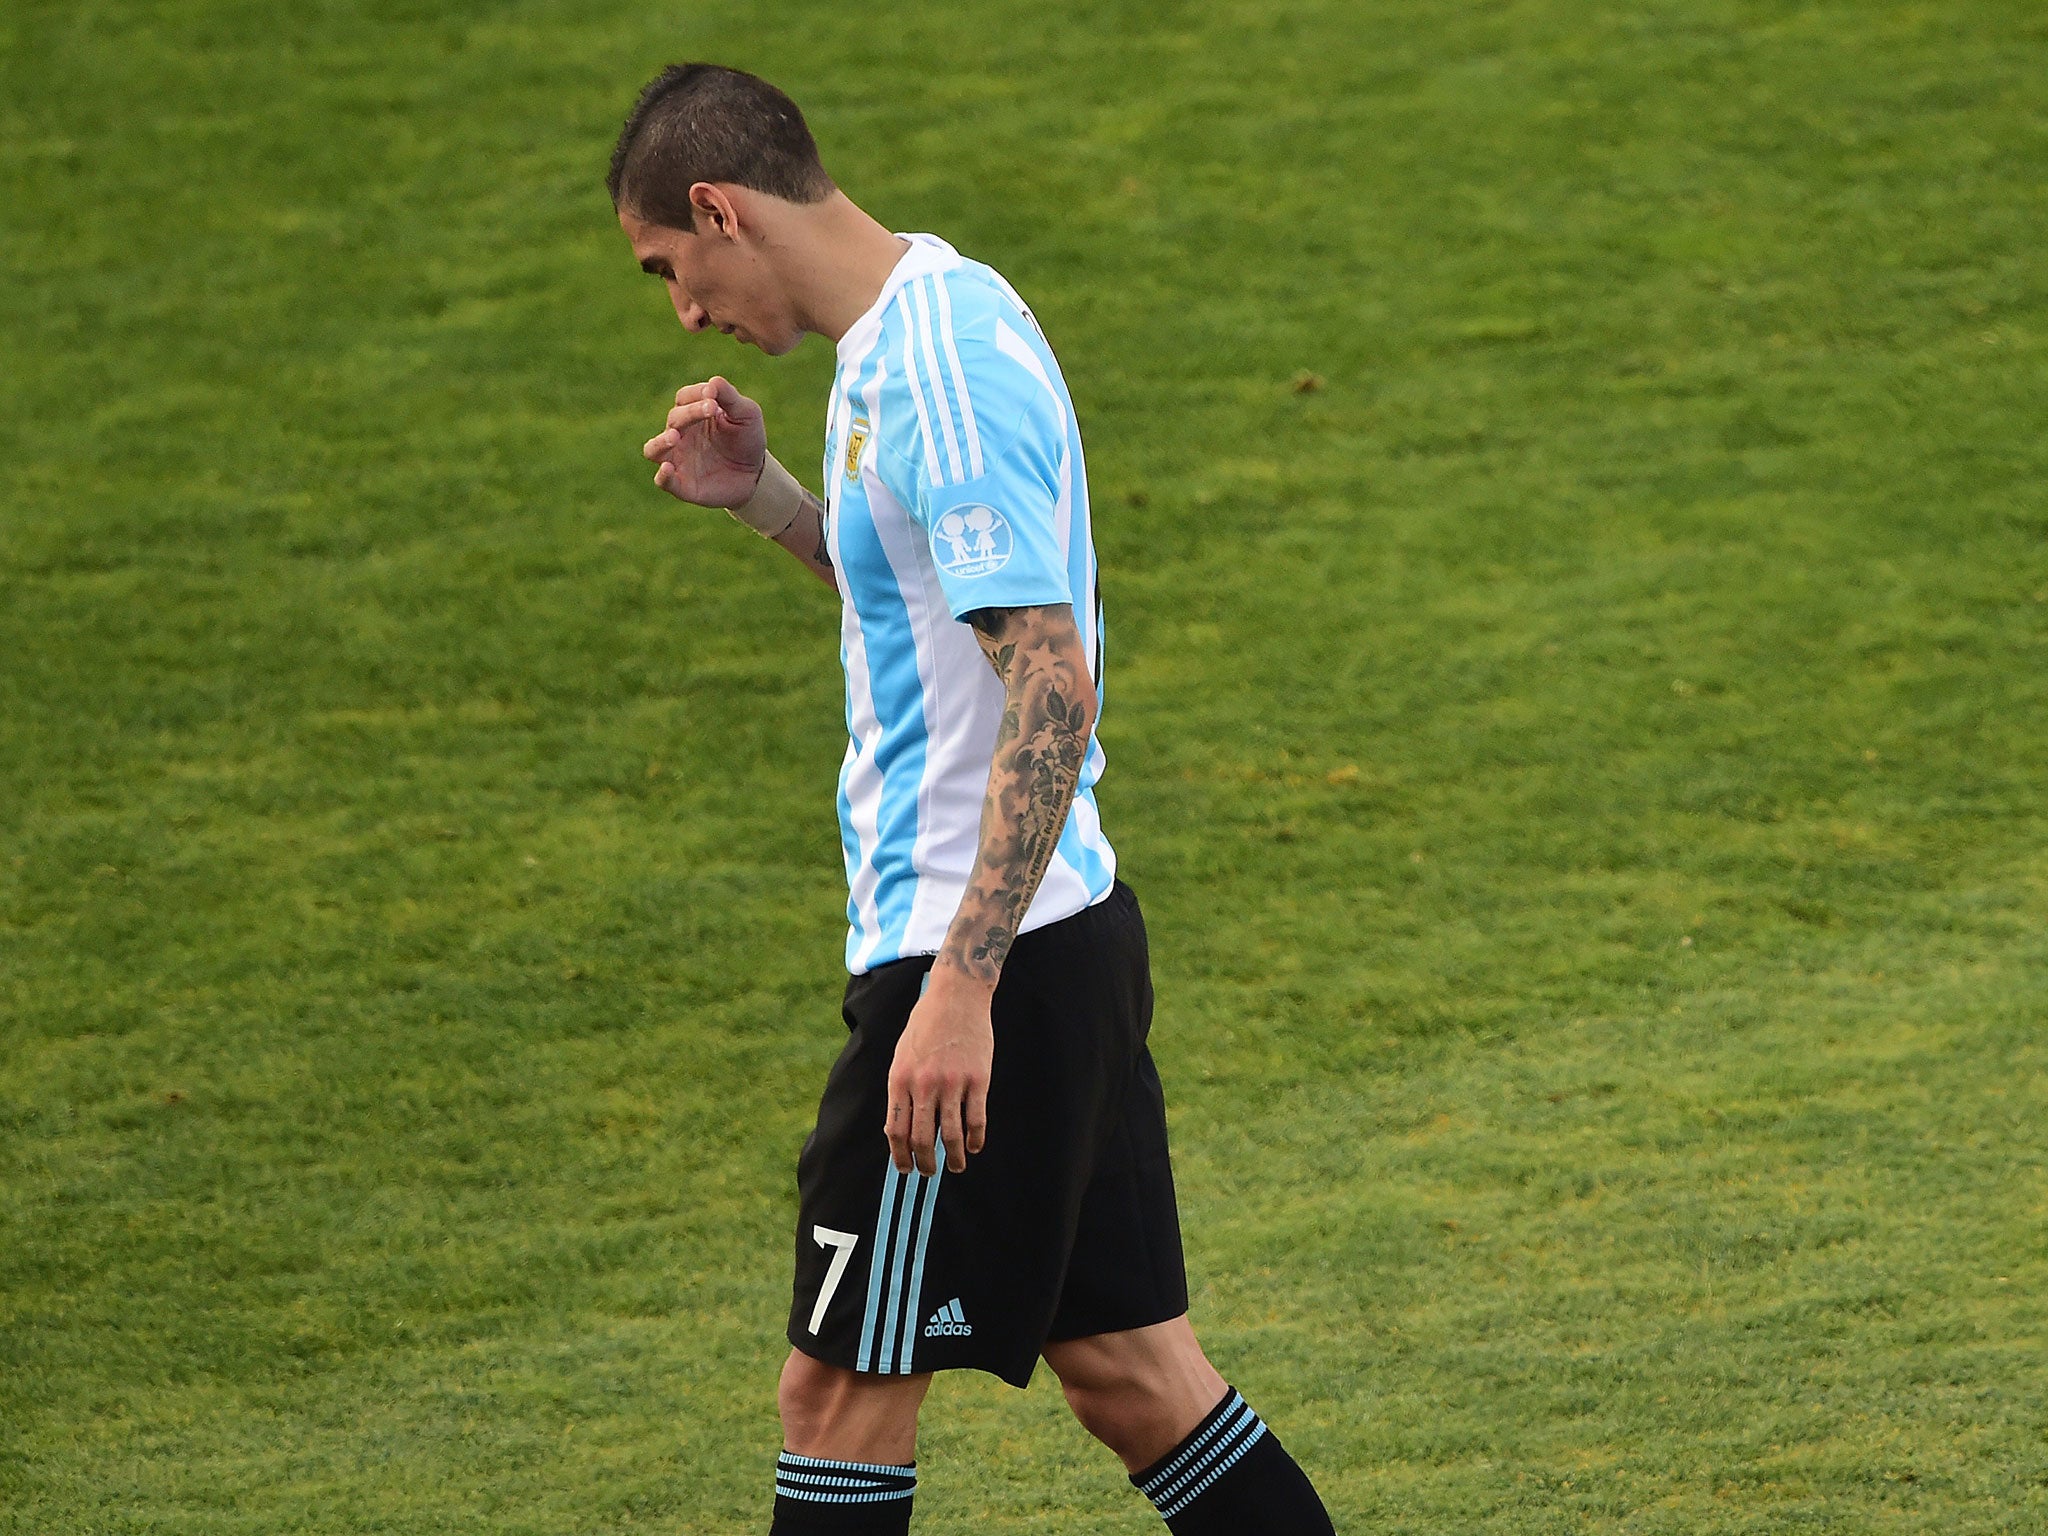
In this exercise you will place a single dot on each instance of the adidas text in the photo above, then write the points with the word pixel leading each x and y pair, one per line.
pixel 949 1322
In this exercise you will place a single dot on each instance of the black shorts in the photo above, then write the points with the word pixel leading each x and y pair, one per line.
pixel 1062 1226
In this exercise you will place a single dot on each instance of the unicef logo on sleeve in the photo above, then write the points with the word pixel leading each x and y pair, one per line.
pixel 971 541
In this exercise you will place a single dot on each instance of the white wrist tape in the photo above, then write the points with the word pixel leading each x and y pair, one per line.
pixel 775 503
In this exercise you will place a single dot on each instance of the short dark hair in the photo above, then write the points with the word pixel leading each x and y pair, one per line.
pixel 704 122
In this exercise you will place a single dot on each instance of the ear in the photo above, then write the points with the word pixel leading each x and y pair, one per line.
pixel 713 210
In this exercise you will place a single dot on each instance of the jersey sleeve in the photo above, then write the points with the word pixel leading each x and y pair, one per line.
pixel 986 477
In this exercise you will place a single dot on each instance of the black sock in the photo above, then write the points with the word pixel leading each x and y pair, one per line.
pixel 1232 1477
pixel 841 1498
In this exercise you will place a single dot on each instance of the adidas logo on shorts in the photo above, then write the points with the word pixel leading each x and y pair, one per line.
pixel 949 1322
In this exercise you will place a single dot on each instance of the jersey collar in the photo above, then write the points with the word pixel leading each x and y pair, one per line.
pixel 927 253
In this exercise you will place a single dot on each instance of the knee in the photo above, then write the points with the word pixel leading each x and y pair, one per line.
pixel 1139 1392
pixel 833 1412
pixel 1129 1411
pixel 1111 1410
pixel 804 1399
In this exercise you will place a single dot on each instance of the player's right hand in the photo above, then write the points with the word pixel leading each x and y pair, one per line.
pixel 713 448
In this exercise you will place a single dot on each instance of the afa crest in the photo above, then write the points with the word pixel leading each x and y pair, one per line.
pixel 856 439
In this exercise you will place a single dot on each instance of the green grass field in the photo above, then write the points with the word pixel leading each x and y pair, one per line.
pixel 1584 762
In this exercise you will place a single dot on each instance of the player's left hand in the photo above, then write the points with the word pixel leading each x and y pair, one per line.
pixel 938 1083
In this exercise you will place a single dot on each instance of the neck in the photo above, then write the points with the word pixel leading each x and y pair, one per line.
pixel 833 259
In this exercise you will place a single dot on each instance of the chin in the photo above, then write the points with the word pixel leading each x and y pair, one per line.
pixel 781 346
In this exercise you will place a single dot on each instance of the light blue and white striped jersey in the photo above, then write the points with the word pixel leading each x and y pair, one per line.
pixel 954 481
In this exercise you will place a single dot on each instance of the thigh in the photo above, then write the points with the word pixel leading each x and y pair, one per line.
pixel 861 1226
pixel 1126 1269
pixel 899 1273
pixel 1163 1357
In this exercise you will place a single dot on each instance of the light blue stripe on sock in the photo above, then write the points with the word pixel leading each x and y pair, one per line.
pixel 813 1480
pixel 1168 1511
pixel 1242 1430
pixel 876 1496
pixel 1216 1451
pixel 1220 1424
pixel 874 1468
pixel 824 1480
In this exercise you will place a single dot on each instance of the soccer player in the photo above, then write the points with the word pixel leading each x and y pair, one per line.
pixel 988 1181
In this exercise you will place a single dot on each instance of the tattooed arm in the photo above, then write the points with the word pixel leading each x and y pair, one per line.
pixel 939 1080
pixel 805 538
pixel 1048 711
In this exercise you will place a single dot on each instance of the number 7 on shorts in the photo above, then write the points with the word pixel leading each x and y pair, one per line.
pixel 845 1242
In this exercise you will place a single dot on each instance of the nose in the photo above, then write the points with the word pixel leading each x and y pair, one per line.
pixel 688 310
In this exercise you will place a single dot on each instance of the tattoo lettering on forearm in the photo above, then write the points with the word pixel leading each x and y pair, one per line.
pixel 814 514
pixel 805 539
pixel 1041 742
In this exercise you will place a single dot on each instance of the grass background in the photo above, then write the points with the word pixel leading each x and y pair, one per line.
pixel 1583 763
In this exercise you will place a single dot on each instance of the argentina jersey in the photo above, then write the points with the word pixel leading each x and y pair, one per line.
pixel 954 481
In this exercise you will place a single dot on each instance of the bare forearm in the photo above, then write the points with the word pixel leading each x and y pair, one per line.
pixel 805 539
pixel 1048 711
